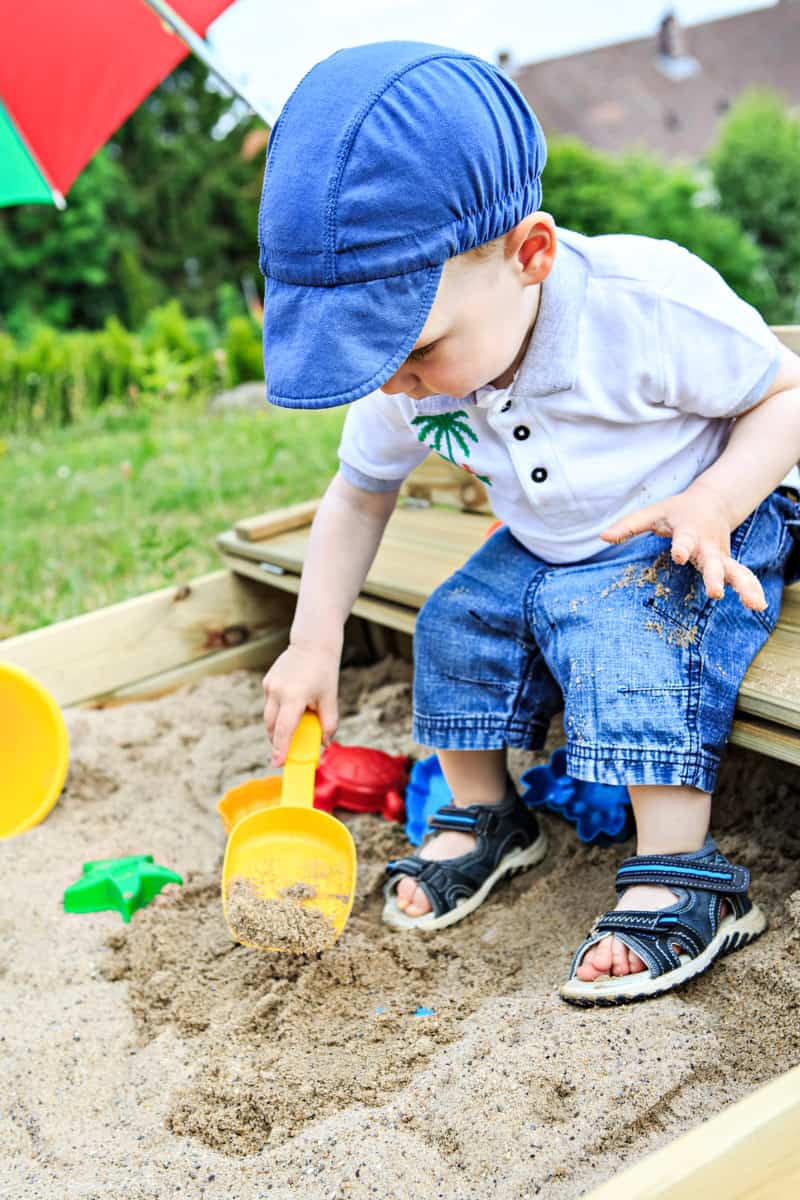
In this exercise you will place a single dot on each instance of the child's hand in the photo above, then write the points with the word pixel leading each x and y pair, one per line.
pixel 304 676
pixel 700 530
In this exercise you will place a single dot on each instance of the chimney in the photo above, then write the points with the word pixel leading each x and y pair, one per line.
pixel 670 37
pixel 672 59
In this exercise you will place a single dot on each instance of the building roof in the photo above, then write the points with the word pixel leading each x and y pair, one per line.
pixel 628 96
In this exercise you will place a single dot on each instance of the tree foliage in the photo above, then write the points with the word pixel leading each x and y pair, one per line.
pixel 165 211
pixel 168 209
pixel 59 268
pixel 756 168
pixel 594 194
pixel 195 199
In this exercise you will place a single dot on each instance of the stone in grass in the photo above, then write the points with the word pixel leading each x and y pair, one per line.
pixel 247 396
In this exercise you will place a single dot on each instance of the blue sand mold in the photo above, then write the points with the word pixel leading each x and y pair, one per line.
pixel 600 812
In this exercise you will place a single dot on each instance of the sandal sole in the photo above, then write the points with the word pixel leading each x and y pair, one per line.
pixel 733 934
pixel 512 864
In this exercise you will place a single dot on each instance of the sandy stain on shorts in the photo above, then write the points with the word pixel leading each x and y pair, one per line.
pixel 640 577
pixel 656 576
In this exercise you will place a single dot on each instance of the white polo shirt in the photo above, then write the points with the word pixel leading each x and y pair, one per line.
pixel 640 358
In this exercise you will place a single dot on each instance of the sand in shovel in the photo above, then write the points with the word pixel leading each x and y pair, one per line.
pixel 285 924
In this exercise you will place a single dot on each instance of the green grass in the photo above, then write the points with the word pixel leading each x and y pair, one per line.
pixel 131 501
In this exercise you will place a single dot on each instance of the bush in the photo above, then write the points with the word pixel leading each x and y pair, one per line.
pixel 594 193
pixel 756 171
pixel 54 378
pixel 243 351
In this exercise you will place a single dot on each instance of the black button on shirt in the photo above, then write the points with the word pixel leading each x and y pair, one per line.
pixel 506 406
pixel 538 474
pixel 522 432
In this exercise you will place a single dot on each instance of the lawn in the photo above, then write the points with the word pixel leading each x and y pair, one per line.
pixel 131 501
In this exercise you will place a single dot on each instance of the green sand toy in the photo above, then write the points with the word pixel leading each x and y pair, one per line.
pixel 124 884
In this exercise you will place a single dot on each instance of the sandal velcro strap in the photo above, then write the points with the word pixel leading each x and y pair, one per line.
pixel 443 883
pixel 451 817
pixel 405 866
pixel 477 819
pixel 712 873
pixel 659 923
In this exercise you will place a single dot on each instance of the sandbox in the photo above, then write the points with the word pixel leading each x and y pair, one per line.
pixel 160 1059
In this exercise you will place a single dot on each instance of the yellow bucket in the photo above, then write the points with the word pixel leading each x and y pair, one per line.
pixel 34 751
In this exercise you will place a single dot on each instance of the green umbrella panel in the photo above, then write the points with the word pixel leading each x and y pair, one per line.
pixel 21 181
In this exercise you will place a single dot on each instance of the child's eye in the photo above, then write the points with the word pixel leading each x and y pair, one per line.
pixel 421 352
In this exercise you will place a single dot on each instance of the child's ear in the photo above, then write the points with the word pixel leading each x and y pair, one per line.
pixel 533 244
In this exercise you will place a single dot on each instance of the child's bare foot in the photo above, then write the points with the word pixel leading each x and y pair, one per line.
pixel 410 897
pixel 611 956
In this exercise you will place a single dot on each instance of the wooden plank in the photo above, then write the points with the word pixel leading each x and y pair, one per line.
pixel 266 525
pixel 419 550
pixel 114 647
pixel 438 481
pixel 766 738
pixel 393 616
pixel 789 335
pixel 751 1151
pixel 254 655
pixel 751 732
pixel 771 687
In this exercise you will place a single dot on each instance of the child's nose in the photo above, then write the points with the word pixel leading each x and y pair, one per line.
pixel 403 380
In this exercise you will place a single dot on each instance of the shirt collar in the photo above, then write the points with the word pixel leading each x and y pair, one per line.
pixel 551 362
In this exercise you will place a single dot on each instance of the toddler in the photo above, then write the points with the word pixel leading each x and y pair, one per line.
pixel 610 392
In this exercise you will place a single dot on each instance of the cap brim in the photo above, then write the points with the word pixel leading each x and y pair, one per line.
pixel 325 346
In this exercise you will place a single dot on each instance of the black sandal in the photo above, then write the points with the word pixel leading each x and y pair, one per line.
pixel 675 943
pixel 508 840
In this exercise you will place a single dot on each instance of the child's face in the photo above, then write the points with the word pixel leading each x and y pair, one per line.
pixel 477 331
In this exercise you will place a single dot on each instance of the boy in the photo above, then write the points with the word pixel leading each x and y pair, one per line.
pixel 591 383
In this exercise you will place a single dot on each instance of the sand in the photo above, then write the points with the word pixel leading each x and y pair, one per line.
pixel 282 923
pixel 161 1059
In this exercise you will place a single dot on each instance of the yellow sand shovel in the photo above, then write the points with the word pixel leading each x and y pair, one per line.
pixel 292 847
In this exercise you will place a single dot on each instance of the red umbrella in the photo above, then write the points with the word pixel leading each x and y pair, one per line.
pixel 71 71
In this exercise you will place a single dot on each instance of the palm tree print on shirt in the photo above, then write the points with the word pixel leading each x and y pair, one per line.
pixel 451 429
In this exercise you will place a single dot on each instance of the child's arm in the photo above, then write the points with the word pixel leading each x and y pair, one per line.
pixel 763 446
pixel 344 538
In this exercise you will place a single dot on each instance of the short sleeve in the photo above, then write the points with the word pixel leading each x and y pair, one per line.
pixel 378 448
pixel 718 355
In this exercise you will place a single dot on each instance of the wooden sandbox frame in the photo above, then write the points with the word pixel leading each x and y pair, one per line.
pixel 155 643
pixel 150 645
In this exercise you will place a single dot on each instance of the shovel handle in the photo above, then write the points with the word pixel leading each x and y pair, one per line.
pixel 301 762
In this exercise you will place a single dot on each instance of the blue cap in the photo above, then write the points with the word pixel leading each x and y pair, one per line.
pixel 387 160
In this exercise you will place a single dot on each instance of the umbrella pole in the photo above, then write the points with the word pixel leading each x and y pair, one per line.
pixel 201 49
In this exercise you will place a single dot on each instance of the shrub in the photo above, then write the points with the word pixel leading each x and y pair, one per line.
pixel 243 352
pixel 51 377
pixel 594 193
pixel 756 171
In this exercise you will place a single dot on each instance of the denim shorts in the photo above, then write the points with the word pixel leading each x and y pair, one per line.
pixel 644 665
